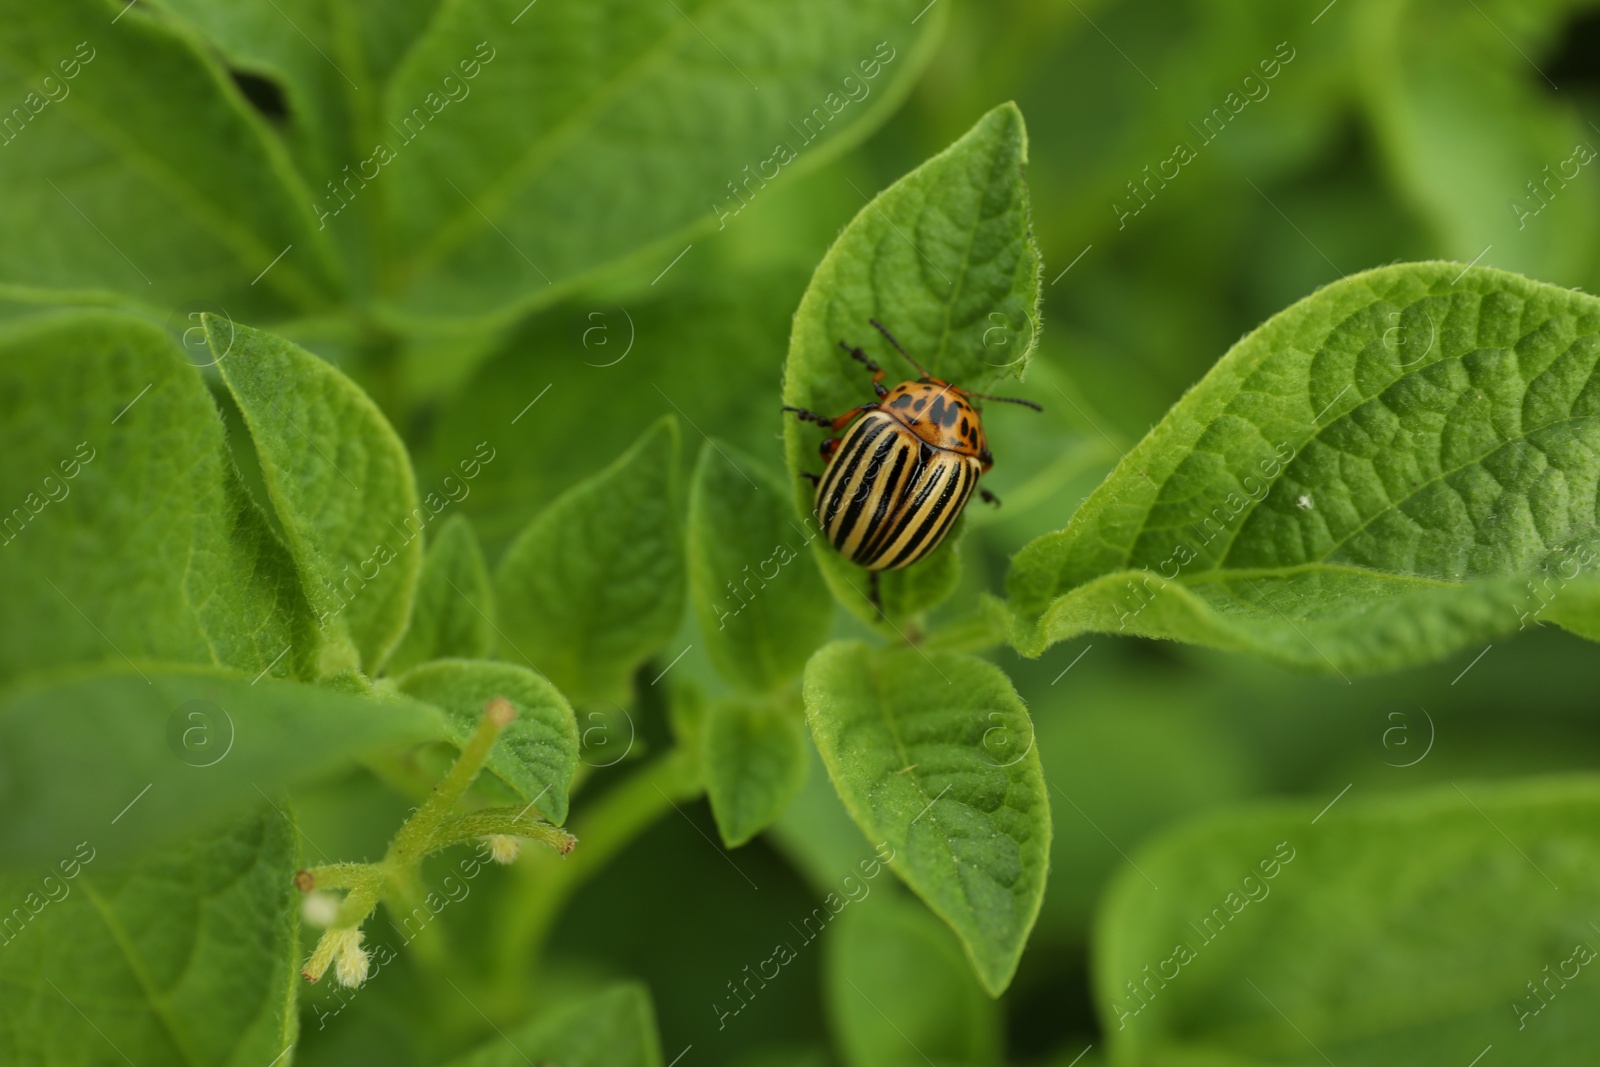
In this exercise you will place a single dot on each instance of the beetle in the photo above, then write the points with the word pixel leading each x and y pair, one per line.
pixel 895 482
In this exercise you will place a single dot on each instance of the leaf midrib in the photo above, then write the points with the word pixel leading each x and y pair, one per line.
pixel 240 242
pixel 158 1005
pixel 973 945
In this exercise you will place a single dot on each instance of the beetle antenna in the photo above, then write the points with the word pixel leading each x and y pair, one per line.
pixel 909 359
pixel 1008 400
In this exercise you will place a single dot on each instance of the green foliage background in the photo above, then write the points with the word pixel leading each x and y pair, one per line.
pixel 554 330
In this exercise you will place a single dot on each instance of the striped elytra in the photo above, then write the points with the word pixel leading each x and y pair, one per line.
pixel 888 496
pixel 897 480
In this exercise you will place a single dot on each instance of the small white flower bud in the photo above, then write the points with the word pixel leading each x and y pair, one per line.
pixel 503 848
pixel 320 909
pixel 351 967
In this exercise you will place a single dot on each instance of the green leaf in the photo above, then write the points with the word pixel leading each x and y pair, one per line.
pixel 126 533
pixel 1362 938
pixel 539 750
pixel 594 585
pixel 340 480
pixel 99 196
pixel 944 258
pixel 754 762
pixel 162 753
pixel 739 79
pixel 189 956
pixel 760 602
pixel 452 615
pixel 616 1028
pixel 920 747
pixel 1398 467
pixel 900 993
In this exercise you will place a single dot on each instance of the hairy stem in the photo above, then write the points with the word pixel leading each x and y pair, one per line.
pixel 514 821
pixel 417 837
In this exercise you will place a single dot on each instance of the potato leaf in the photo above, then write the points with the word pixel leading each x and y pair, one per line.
pixel 760 602
pixel 753 762
pixel 899 991
pixel 945 260
pixel 127 534
pixel 340 480
pixel 1422 926
pixel 453 614
pixel 1399 467
pixel 189 956
pixel 162 753
pixel 539 750
pixel 594 585
pixel 615 1028
pixel 922 749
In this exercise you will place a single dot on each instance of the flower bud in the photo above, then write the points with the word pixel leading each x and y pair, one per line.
pixel 503 848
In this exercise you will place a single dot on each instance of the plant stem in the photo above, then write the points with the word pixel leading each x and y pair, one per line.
pixel 417 837
pixel 512 821
pixel 605 829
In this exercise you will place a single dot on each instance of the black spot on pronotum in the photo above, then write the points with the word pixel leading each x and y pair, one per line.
pixel 264 94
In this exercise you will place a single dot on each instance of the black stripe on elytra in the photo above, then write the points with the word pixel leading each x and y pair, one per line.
pixel 892 518
pixel 913 549
pixel 968 481
pixel 869 478
pixel 849 456
pixel 890 534
pixel 887 498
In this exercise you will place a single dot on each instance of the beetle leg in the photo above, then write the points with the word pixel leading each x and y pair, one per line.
pixel 836 424
pixel 988 497
pixel 814 479
pixel 873 594
pixel 877 372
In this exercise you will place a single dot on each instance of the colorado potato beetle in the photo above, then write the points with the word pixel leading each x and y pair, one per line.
pixel 896 481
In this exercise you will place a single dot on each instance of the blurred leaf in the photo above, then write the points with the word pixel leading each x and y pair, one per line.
pixel 101 196
pixel 161 754
pixel 452 615
pixel 754 764
pixel 340 480
pixel 740 524
pixel 1249 88
pixel 945 260
pixel 816 834
pixel 1361 939
pixel 1387 466
pixel 668 122
pixel 901 994
pixel 710 353
pixel 910 738
pixel 594 585
pixel 1128 754
pixel 190 956
pixel 616 1028
pixel 538 752
pixel 329 63
pixel 126 530
pixel 1473 137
